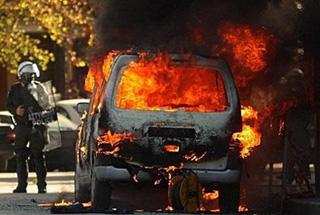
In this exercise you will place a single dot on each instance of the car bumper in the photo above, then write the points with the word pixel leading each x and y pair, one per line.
pixel 205 176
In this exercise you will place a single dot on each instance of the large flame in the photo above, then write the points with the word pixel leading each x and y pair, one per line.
pixel 209 202
pixel 250 135
pixel 99 72
pixel 248 113
pixel 157 83
pixel 247 49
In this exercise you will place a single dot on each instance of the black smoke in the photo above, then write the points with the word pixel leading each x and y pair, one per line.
pixel 191 26
pixel 171 25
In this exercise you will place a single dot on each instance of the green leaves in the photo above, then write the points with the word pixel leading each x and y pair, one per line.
pixel 63 20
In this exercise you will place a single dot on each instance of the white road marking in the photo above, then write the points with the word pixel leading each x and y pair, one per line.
pixel 57 182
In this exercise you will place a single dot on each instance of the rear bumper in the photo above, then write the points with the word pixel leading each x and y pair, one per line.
pixel 205 176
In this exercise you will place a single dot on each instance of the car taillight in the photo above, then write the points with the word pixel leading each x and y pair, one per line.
pixel 11 136
pixel 171 148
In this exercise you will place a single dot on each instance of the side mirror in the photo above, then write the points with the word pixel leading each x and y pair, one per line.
pixel 82 107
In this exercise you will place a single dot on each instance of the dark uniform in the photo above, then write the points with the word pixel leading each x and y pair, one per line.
pixel 299 134
pixel 20 95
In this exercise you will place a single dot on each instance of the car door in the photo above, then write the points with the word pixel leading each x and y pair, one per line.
pixel 88 131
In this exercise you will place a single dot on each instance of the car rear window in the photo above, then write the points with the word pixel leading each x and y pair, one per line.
pixel 177 87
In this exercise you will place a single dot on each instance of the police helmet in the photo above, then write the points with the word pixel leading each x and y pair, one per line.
pixel 28 67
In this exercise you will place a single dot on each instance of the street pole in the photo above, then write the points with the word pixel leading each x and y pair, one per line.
pixel 316 85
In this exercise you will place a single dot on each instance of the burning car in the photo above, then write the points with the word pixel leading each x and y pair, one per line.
pixel 155 112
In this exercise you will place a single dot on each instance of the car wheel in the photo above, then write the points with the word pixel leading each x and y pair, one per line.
pixel 229 198
pixel 185 193
pixel 3 165
pixel 176 201
pixel 81 191
pixel 100 194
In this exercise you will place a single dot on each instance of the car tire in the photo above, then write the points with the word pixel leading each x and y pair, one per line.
pixel 229 198
pixel 100 194
pixel 176 201
pixel 81 191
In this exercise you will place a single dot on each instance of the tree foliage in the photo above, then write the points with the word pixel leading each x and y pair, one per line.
pixel 63 20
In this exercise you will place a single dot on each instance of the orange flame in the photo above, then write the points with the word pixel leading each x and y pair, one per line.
pixel 247 113
pixel 210 196
pixel 210 202
pixel 250 136
pixel 159 84
pixel 249 49
pixel 98 72
pixel 62 203
pixel 192 156
pixel 243 208
pixel 113 141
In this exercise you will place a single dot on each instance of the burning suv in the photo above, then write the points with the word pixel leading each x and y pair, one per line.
pixel 150 113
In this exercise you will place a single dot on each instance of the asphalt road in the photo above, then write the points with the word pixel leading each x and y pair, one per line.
pixel 60 188
pixel 131 197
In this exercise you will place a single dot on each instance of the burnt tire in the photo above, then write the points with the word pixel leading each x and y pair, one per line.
pixel 81 190
pixel 176 201
pixel 229 198
pixel 100 194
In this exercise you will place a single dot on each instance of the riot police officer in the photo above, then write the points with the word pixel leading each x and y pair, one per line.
pixel 299 132
pixel 25 97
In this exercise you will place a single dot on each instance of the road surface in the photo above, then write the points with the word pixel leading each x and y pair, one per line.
pixel 124 196
pixel 60 187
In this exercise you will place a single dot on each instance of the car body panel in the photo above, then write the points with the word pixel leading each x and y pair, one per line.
pixel 68 109
pixel 6 147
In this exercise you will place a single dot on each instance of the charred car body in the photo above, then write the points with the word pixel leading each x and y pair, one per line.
pixel 126 135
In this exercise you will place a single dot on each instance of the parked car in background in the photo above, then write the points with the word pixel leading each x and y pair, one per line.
pixel 68 108
pixel 7 138
pixel 60 136
pixel 6 117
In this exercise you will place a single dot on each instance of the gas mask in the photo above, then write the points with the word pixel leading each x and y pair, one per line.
pixel 28 78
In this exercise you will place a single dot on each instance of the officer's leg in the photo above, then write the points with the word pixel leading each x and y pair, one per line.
pixel 21 158
pixel 36 147
pixel 291 161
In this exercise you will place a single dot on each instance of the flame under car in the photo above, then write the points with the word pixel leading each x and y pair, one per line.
pixel 151 112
